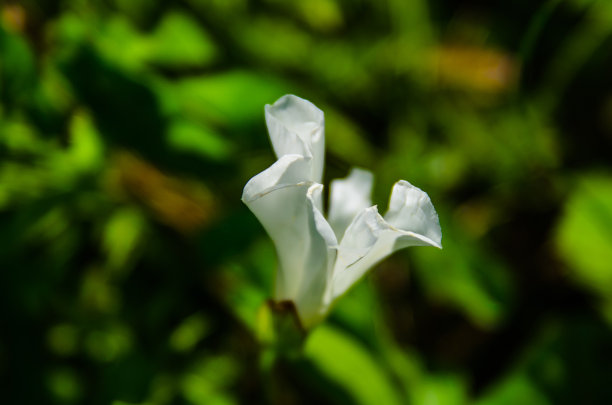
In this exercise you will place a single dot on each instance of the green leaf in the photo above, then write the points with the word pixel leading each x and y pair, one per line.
pixel 517 389
pixel 122 236
pixel 467 277
pixel 86 152
pixel 179 41
pixel 208 380
pixel 584 235
pixel 190 137
pixel 494 146
pixel 275 42
pixel 193 329
pixel 232 99
pixel 17 70
pixel 121 43
pixel 350 365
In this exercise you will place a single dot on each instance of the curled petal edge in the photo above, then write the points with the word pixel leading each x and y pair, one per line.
pixel 289 170
pixel 411 209
pixel 370 238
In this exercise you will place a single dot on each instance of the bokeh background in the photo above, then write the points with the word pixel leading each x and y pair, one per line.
pixel 131 273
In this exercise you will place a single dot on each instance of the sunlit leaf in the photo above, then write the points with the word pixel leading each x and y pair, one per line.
pixel 349 364
pixel 233 99
pixel 179 41
pixel 189 333
pixel 584 235
pixel 207 381
pixel 86 151
pixel 194 138
pixel 123 235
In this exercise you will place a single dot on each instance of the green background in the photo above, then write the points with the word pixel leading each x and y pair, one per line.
pixel 131 273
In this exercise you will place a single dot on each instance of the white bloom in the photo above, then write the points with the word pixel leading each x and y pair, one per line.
pixel 319 260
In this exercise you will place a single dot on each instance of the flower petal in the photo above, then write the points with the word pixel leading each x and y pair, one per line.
pixel 410 209
pixel 289 210
pixel 370 238
pixel 288 170
pixel 348 197
pixel 297 126
pixel 314 297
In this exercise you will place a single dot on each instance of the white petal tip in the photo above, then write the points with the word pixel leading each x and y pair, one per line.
pixel 290 103
pixel 411 210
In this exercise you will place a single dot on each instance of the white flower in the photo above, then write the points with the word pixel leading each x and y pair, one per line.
pixel 319 260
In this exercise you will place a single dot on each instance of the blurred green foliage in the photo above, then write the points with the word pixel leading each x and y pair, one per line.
pixel 130 273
